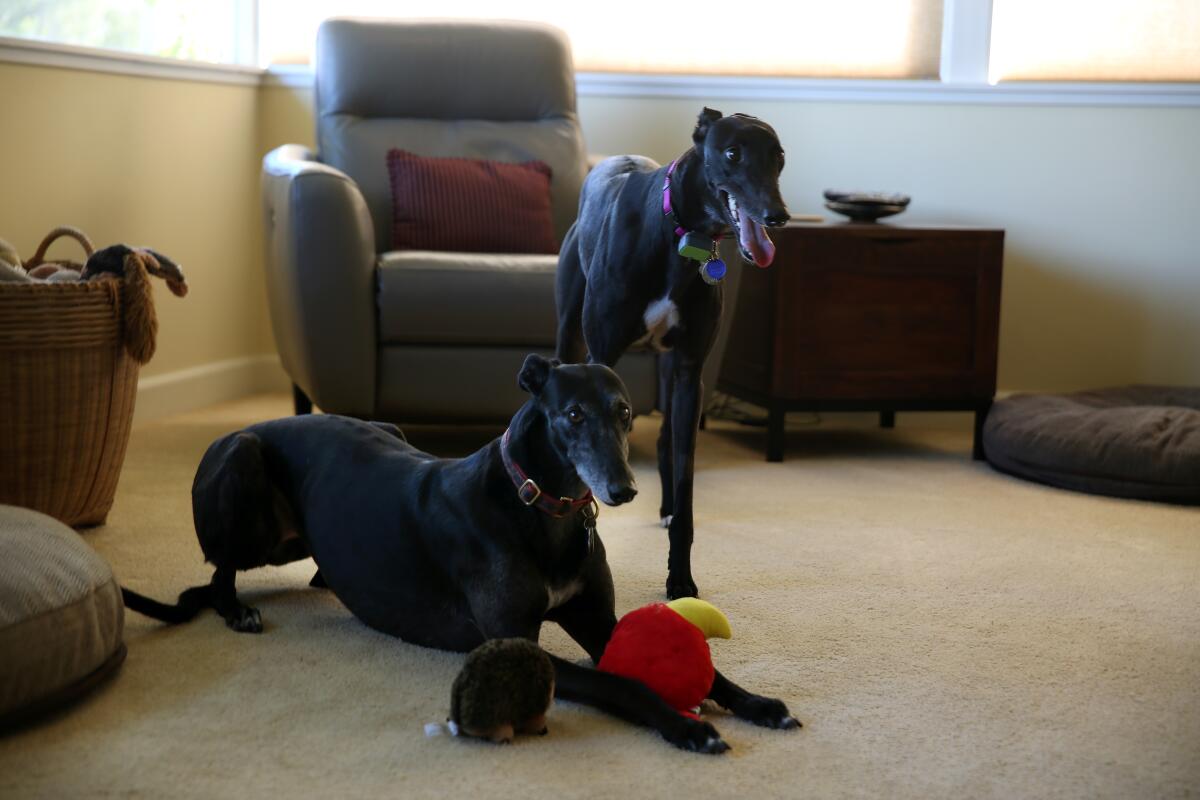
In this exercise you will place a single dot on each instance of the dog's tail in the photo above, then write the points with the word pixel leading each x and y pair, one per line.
pixel 191 602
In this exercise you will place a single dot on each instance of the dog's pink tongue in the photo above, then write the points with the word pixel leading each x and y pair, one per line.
pixel 755 241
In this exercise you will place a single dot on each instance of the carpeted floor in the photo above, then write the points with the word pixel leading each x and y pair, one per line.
pixel 941 630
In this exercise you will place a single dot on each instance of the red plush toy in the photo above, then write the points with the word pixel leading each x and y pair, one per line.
pixel 664 645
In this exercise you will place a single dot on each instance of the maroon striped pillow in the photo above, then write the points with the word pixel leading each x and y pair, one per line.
pixel 469 204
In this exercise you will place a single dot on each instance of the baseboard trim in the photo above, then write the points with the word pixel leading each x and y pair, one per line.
pixel 207 384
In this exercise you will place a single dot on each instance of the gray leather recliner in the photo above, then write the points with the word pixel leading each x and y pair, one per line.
pixel 420 336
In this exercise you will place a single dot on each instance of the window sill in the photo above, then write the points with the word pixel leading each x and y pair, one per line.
pixel 90 59
pixel 720 87
pixel 596 84
pixel 889 91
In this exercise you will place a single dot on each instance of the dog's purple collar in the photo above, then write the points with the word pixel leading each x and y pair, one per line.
pixel 530 493
pixel 696 246
pixel 668 211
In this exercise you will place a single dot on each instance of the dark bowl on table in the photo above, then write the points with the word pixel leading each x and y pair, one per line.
pixel 865 206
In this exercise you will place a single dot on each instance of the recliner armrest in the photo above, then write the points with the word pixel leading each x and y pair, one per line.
pixel 321 282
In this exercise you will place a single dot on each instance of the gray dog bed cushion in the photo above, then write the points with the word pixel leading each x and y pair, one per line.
pixel 1134 441
pixel 61 615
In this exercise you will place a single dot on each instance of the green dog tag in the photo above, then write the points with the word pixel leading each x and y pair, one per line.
pixel 695 246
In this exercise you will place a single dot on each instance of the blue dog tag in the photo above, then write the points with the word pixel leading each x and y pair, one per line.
pixel 713 271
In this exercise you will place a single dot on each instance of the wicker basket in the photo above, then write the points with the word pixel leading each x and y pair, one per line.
pixel 68 383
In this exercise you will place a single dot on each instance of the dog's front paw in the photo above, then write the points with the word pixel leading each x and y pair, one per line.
pixel 767 712
pixel 696 736
pixel 681 586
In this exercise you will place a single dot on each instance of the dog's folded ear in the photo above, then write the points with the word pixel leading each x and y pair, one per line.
pixel 707 117
pixel 535 372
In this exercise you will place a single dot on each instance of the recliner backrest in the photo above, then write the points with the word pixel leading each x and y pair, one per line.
pixel 497 90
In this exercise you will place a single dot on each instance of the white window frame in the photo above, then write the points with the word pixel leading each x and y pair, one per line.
pixel 966 40
pixel 963 78
pixel 94 59
pixel 966 31
pixel 125 62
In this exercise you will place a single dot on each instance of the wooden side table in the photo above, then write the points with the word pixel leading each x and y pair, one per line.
pixel 868 317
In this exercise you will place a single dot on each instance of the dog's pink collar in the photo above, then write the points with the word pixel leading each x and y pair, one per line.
pixel 668 211
pixel 530 493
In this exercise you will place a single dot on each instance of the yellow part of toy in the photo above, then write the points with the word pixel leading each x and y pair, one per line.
pixel 705 616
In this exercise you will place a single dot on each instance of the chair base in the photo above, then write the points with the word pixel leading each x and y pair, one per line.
pixel 301 401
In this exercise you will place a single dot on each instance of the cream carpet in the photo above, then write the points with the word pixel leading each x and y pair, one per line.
pixel 941 630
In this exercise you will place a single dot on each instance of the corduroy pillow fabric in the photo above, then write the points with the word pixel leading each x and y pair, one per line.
pixel 470 205
pixel 1130 441
pixel 61 616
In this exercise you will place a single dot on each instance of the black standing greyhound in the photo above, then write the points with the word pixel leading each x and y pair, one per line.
pixel 447 553
pixel 623 280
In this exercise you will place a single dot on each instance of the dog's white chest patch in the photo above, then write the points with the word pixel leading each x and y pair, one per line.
pixel 660 317
pixel 561 594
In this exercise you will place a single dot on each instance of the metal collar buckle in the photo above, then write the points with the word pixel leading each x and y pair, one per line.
pixel 522 492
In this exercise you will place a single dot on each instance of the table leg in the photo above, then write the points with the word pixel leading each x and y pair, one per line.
pixel 775 416
pixel 981 413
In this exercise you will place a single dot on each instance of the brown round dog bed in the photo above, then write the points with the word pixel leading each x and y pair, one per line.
pixel 61 616
pixel 1134 441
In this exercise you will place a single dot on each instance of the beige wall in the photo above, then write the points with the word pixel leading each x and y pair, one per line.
pixel 1102 267
pixel 1101 206
pixel 164 163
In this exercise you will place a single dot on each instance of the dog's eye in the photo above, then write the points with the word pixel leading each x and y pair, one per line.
pixel 575 415
pixel 733 154
pixel 623 413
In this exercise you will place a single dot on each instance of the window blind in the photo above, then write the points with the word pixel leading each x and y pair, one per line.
pixel 1095 40
pixel 817 38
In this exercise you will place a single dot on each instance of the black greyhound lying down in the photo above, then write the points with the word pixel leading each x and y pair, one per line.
pixel 628 273
pixel 447 553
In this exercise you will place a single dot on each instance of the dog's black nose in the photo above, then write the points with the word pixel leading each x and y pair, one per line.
pixel 621 494
pixel 777 217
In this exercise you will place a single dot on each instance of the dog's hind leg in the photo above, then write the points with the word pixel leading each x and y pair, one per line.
pixel 242 522
pixel 570 286
pixel 240 617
